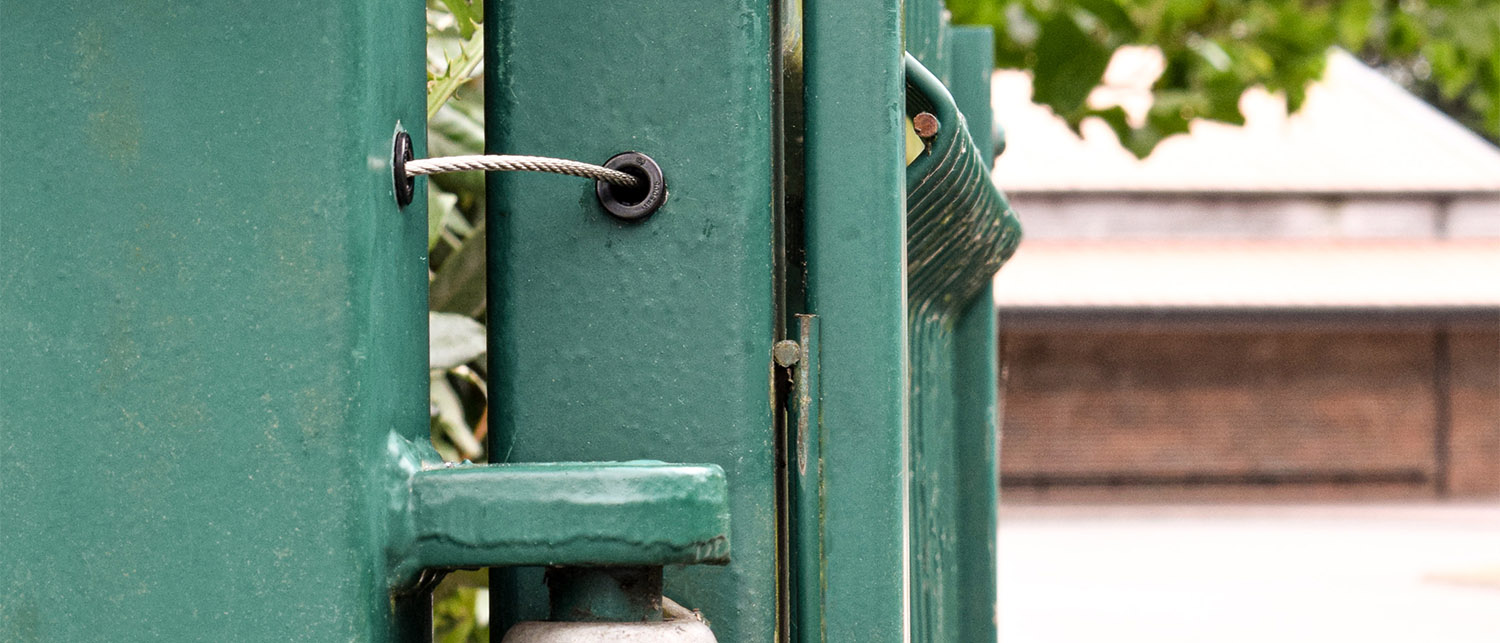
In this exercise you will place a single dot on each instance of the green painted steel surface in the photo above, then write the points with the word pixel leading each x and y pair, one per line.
pixel 976 378
pixel 855 235
pixel 960 230
pixel 580 514
pixel 212 316
pixel 805 468
pixel 606 594
pixel 614 340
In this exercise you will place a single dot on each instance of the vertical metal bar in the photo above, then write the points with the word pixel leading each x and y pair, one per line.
pixel 646 340
pixel 935 522
pixel 976 378
pixel 952 254
pixel 926 35
pixel 856 262
pixel 808 566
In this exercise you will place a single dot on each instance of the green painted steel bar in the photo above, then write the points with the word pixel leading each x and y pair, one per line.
pixel 976 377
pixel 647 340
pixel 578 514
pixel 855 235
pixel 927 35
pixel 213 316
pixel 808 556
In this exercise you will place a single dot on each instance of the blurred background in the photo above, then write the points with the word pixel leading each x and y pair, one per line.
pixel 1252 338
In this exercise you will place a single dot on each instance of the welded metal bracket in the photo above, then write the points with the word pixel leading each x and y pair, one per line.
pixel 584 514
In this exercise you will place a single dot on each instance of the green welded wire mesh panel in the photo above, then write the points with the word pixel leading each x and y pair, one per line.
pixel 960 230
pixel 976 377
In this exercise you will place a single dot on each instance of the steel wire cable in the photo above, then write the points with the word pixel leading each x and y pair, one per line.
pixel 513 163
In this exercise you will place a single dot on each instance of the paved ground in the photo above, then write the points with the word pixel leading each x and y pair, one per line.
pixel 1366 574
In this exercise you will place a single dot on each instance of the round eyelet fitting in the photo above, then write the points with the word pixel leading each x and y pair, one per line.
pixel 638 202
pixel 405 186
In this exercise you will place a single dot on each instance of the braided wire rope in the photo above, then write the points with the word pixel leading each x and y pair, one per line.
pixel 513 163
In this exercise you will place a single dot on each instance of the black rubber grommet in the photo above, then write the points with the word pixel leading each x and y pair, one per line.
pixel 406 186
pixel 633 203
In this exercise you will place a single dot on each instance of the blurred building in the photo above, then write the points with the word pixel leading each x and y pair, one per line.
pixel 1307 307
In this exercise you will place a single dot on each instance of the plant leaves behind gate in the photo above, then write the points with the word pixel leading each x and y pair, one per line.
pixel 455 608
pixel 1445 51
pixel 1069 65
pixel 453 340
pixel 468 16
pixel 455 132
pixel 458 286
pixel 441 205
pixel 455 127
pixel 448 421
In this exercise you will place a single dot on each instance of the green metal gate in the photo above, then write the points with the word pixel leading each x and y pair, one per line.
pixel 772 400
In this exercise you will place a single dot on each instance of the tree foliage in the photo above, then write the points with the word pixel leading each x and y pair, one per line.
pixel 1446 51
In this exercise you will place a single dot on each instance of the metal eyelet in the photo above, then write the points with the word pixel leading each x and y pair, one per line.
pixel 636 202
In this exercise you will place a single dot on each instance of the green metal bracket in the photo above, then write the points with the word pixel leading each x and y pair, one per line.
pixel 584 514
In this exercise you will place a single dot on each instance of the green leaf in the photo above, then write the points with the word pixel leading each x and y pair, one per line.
pixel 459 131
pixel 450 417
pixel 457 73
pixel 1069 64
pixel 1223 92
pixel 1114 17
pixel 455 131
pixel 1187 10
pixel 1166 119
pixel 440 206
pixel 453 340
pixel 455 609
pixel 1352 19
pixel 458 286
pixel 1217 48
pixel 1117 120
pixel 464 15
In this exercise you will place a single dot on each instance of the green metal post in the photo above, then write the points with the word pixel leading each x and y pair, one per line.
pixel 613 340
pixel 976 378
pixel 213 318
pixel 856 285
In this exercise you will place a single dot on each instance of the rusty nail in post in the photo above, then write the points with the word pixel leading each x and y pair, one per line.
pixel 786 353
pixel 926 125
